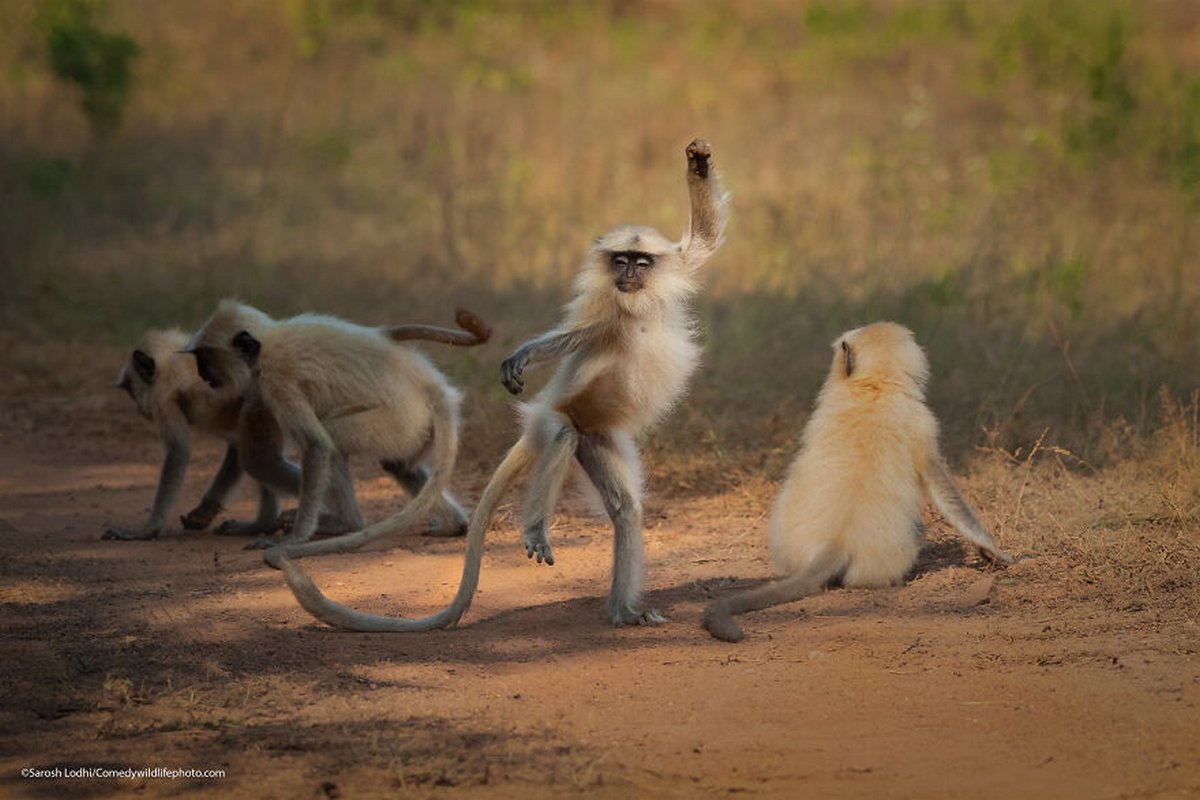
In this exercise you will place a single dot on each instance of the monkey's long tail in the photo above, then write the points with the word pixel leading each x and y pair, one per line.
pixel 474 331
pixel 718 615
pixel 326 610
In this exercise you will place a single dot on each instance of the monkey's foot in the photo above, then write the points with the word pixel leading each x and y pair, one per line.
pixel 649 617
pixel 200 517
pixel 720 623
pixel 266 542
pixel 698 154
pixel 327 524
pixel 998 557
pixel 233 527
pixel 263 543
pixel 537 543
pixel 125 535
pixel 448 522
pixel 631 616
pixel 446 529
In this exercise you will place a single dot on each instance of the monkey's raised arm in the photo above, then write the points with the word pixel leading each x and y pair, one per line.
pixel 177 440
pixel 547 347
pixel 474 331
pixel 949 501
pixel 710 205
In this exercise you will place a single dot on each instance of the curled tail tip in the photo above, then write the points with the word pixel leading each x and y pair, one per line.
pixel 474 324
pixel 720 624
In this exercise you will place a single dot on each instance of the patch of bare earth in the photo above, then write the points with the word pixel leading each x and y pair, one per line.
pixel 1072 674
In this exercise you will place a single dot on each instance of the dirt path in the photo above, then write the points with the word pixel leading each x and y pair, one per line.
pixel 1052 679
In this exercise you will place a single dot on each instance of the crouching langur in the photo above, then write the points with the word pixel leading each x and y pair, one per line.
pixel 850 508
pixel 163 383
pixel 625 350
pixel 337 389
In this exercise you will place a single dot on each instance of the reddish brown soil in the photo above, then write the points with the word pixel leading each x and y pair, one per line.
pixel 1072 674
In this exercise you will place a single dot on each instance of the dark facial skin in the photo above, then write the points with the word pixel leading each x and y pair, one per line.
pixel 629 269
pixel 204 358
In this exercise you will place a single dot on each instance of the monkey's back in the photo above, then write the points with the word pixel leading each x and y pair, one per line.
pixel 371 394
pixel 855 487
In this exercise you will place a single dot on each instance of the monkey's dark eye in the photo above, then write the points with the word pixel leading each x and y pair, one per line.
pixel 644 262
pixel 620 261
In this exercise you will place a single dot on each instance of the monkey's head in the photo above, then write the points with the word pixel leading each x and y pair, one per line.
pixel 880 353
pixel 142 372
pixel 635 266
pixel 226 347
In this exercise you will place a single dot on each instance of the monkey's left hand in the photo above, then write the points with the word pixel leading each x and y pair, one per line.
pixel 511 371
pixel 698 154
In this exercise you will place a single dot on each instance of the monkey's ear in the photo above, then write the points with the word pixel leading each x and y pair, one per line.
pixel 143 365
pixel 849 356
pixel 246 346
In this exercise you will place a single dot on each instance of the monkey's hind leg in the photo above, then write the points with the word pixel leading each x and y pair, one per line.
pixel 718 616
pixel 611 466
pixel 451 518
pixel 559 442
pixel 342 514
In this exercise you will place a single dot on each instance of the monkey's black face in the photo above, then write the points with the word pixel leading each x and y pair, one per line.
pixel 629 269
pixel 204 367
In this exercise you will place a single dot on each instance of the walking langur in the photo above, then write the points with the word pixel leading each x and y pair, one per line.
pixel 850 508
pixel 163 383
pixel 626 349
pixel 338 389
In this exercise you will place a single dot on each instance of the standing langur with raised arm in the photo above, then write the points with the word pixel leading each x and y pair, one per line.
pixel 626 349
pixel 850 509
pixel 163 383
pixel 336 389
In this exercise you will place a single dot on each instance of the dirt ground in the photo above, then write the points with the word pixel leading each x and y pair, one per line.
pixel 1073 673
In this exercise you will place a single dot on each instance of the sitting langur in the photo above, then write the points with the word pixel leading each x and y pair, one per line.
pixel 625 351
pixel 163 383
pixel 337 389
pixel 850 509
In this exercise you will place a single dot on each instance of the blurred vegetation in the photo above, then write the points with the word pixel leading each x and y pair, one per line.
pixel 1018 181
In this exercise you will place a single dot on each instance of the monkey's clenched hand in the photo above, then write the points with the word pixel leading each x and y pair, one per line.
pixel 511 371
pixel 698 154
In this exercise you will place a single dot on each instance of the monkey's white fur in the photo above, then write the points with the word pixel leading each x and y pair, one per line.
pixel 167 391
pixel 850 508
pixel 625 350
pixel 337 389
pixel 855 486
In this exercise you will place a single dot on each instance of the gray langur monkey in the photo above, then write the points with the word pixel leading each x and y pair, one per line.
pixel 163 384
pixel 337 389
pixel 849 511
pixel 626 349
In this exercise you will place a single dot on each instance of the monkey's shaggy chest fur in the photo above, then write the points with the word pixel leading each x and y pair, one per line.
pixel 634 381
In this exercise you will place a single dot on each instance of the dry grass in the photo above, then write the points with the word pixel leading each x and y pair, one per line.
pixel 1018 184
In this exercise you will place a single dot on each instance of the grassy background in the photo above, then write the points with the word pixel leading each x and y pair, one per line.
pixel 1017 181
